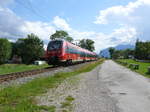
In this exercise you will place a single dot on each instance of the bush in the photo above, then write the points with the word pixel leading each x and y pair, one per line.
pixel 5 50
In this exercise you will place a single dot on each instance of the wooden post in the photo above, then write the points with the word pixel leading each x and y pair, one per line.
pixel 149 69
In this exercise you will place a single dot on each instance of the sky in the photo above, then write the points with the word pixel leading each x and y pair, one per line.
pixel 107 22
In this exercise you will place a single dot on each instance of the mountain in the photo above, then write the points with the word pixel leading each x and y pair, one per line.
pixel 105 52
pixel 122 47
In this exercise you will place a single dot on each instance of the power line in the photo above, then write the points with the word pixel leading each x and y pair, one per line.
pixel 34 10
pixel 30 8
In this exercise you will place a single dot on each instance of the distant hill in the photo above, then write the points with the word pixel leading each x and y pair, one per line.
pixel 105 52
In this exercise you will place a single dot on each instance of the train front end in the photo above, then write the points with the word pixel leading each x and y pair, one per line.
pixel 54 53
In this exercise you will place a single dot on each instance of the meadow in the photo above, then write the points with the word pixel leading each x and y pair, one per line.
pixel 11 68
pixel 143 67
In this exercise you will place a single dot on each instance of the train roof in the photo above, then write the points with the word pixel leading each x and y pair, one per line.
pixel 85 50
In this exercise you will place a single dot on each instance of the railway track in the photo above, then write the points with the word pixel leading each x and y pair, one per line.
pixel 13 76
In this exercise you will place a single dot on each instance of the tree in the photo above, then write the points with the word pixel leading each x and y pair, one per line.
pixel 111 51
pixel 87 44
pixel 69 39
pixel 17 47
pixel 61 35
pixel 29 49
pixel 5 50
pixel 127 53
pixel 117 54
pixel 124 54
pixel 33 48
pixel 142 50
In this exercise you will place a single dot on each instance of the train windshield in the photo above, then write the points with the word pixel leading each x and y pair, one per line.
pixel 54 45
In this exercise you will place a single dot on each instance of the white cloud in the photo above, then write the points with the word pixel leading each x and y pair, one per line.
pixel 13 27
pixel 121 13
pixel 123 35
pixel 133 19
pixel 61 23
pixel 43 30
pixel 9 23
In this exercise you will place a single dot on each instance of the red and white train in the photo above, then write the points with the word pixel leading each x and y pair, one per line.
pixel 61 51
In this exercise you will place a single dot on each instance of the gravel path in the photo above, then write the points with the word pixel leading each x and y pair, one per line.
pixel 129 89
pixel 93 94
pixel 113 88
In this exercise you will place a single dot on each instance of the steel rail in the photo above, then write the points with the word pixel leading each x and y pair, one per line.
pixel 13 76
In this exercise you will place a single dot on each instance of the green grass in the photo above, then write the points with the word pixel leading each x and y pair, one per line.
pixel 69 98
pixel 67 104
pixel 47 108
pixel 21 98
pixel 11 68
pixel 142 66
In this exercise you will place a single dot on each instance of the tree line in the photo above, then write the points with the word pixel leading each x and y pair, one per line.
pixel 31 48
pixel 141 51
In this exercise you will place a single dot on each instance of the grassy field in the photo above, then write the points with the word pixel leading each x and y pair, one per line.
pixel 21 98
pixel 10 68
pixel 142 66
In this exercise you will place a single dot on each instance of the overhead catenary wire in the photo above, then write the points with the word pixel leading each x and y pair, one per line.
pixel 28 5
pixel 34 10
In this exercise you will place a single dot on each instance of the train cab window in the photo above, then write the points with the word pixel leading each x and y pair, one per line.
pixel 54 45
